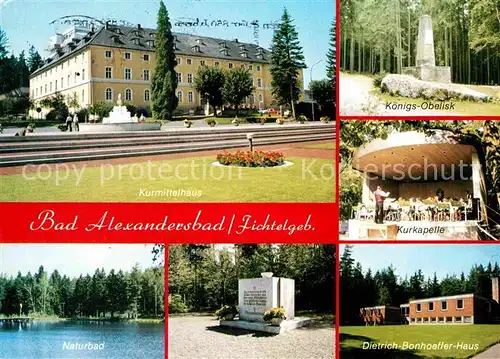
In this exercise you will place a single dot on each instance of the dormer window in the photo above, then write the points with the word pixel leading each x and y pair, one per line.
pixel 223 44
pixel 244 54
pixel 242 47
pixel 199 41
pixel 226 53
pixel 260 50
pixel 152 35
pixel 196 48
pixel 136 41
pixel 150 43
pixel 260 56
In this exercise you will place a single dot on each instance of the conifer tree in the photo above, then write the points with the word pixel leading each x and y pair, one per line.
pixel 164 83
pixel 286 60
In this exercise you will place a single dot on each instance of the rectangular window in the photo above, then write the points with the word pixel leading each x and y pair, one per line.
pixel 460 304
pixel 146 57
pixel 258 67
pixel 50 86
pixel 128 74
pixel 108 72
pixel 69 78
pixel 190 78
pixel 216 63
pixel 83 74
pixel 250 67
pixel 62 82
pixel 55 86
pixel 431 306
pixel 45 88
pixel 202 62
pixel 107 54
pixel 178 60
pixel 145 75
pixel 62 66
pixel 32 93
pixel 74 75
pixel 190 97
pixel 259 82
pixel 83 96
pixel 242 66
pixel 419 307
pixel 128 56
pixel 179 77
pixel 189 61
pixel 146 95
pixel 230 65
pixel 444 305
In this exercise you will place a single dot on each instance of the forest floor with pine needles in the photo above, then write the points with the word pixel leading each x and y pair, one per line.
pixel 463 341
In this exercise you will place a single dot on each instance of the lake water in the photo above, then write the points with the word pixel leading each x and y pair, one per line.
pixel 40 340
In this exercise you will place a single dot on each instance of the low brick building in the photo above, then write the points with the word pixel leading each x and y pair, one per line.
pixel 456 309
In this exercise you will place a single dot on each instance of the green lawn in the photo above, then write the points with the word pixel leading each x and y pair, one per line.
pixel 461 107
pixel 308 180
pixel 320 146
pixel 478 337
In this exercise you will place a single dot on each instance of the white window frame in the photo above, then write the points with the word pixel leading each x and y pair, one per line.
pixel 203 63
pixel 181 97
pixel 259 68
pixel 105 72
pixel 190 78
pixel 444 301
pixel 110 54
pixel 131 95
pixel 83 96
pixel 125 73
pixel 230 65
pixel 259 82
pixel 147 91
pixel 191 97
pixel 144 71
pixel 106 94
pixel 429 308
pixel 417 306
pixel 125 56
pixel 144 58
pixel 189 61
pixel 178 60
pixel 462 308
pixel 179 77
pixel 83 74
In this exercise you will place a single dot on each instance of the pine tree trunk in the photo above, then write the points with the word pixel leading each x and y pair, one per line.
pixel 291 100
pixel 351 53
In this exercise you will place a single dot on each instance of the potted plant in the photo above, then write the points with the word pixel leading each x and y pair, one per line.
pixel 275 315
pixel 211 122
pixel 325 119
pixel 280 121
pixel 188 123
pixel 227 312
pixel 302 118
pixel 236 121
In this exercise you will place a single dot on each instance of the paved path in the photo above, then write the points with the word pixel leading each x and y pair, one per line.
pixel 203 338
pixel 356 100
pixel 491 353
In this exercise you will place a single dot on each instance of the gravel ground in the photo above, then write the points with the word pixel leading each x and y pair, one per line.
pixel 202 338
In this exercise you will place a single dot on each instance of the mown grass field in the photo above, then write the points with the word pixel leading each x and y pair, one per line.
pixel 465 341
pixel 195 179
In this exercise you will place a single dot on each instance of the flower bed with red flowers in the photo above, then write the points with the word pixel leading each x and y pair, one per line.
pixel 251 159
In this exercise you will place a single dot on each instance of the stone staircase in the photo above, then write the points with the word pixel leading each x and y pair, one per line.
pixel 38 149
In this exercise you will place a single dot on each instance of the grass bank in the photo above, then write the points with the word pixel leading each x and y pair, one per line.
pixel 416 341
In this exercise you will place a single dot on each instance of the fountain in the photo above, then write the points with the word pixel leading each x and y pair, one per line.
pixel 120 120
pixel 119 114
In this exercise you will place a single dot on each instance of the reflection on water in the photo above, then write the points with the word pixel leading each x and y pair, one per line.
pixel 72 339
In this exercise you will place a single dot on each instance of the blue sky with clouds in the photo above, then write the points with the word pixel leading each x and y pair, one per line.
pixel 27 22
pixel 444 259
pixel 73 259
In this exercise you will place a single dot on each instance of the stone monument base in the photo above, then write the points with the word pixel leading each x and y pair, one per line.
pixel 285 326
pixel 429 73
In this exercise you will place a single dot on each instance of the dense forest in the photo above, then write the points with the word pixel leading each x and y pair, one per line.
pixel 205 278
pixel 138 293
pixel 380 36
pixel 362 288
pixel 15 70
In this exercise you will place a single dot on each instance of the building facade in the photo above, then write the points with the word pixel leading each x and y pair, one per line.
pixel 99 65
pixel 457 309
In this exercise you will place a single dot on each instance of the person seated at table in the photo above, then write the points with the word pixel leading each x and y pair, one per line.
pixel 440 195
